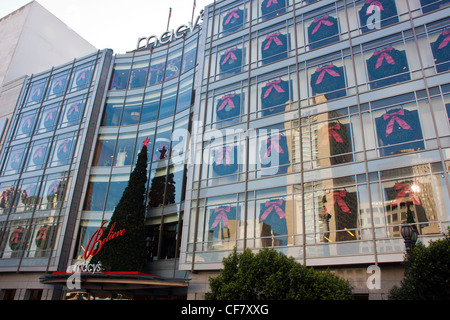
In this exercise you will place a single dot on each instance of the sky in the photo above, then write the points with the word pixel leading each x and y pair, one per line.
pixel 115 24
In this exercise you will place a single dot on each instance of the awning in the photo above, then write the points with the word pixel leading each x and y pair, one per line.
pixel 131 282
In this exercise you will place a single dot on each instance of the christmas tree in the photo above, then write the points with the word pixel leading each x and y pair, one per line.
pixel 123 241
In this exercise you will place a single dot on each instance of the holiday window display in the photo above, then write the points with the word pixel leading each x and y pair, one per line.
pixel 431 5
pixel 231 61
pixel 82 78
pixel 39 154
pixel 220 221
pixel 274 96
pixel 274 154
pixel 386 9
pixel 398 131
pixel 16 238
pixel 43 237
pixel 74 111
pixel 411 193
pixel 323 31
pixel 335 138
pixel 58 86
pixel 233 20
pixel 274 47
pixel 29 197
pixel 329 80
pixel 8 198
pixel 50 118
pixel 37 92
pixel 272 8
pixel 64 149
pixel 16 159
pixel 386 67
pixel 27 125
pixel 172 69
pixel 441 51
pixel 273 224
pixel 229 106
pixel 339 213
pixel 225 160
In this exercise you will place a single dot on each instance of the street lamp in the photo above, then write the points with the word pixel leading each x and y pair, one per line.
pixel 409 236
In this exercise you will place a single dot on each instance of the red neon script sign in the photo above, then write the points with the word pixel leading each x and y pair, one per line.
pixel 90 250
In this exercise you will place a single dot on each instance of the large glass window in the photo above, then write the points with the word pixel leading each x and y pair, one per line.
pixel 119 80
pixel 104 151
pixel 58 84
pixel 168 101
pixel 82 75
pixel 151 106
pixel 37 157
pixel 48 117
pixel 96 193
pixel 132 110
pixel 113 111
pixel 139 73
pixel 116 188
pixel 123 155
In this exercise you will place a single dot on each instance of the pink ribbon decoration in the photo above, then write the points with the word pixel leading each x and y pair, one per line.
pixel 15 235
pixel 273 142
pixel 332 132
pixel 73 107
pixel 226 100
pixel 374 5
pixel 53 189
pixel 38 152
pixel 383 55
pixel 270 205
pixel 320 21
pixel 231 14
pixel 273 85
pixel 229 54
pixel 446 40
pixel 273 37
pixel 271 2
pixel 221 215
pixel 326 69
pixel 63 146
pixel 404 189
pixel 337 198
pixel 49 116
pixel 394 118
pixel 82 75
pixel 224 156
pixel 42 233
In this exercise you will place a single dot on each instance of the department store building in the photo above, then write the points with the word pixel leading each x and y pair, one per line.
pixel 307 126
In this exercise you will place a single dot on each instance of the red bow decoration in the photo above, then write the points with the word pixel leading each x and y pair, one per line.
pixel 394 117
pixel 231 14
pixel 446 40
pixel 320 21
pixel 15 235
pixel 273 85
pixel 332 132
pixel 273 37
pixel 270 205
pixel 221 215
pixel 271 2
pixel 42 233
pixel 404 189
pixel 383 55
pixel 337 198
pixel 224 156
pixel 229 54
pixel 227 101
pixel 326 69
pixel 374 5
pixel 273 142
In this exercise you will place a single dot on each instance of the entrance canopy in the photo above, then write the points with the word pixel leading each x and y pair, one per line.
pixel 134 283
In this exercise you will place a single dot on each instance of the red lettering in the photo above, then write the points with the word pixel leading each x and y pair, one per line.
pixel 94 240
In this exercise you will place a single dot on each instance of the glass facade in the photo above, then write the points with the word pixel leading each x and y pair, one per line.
pixel 150 95
pixel 308 126
pixel 320 124
pixel 40 161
